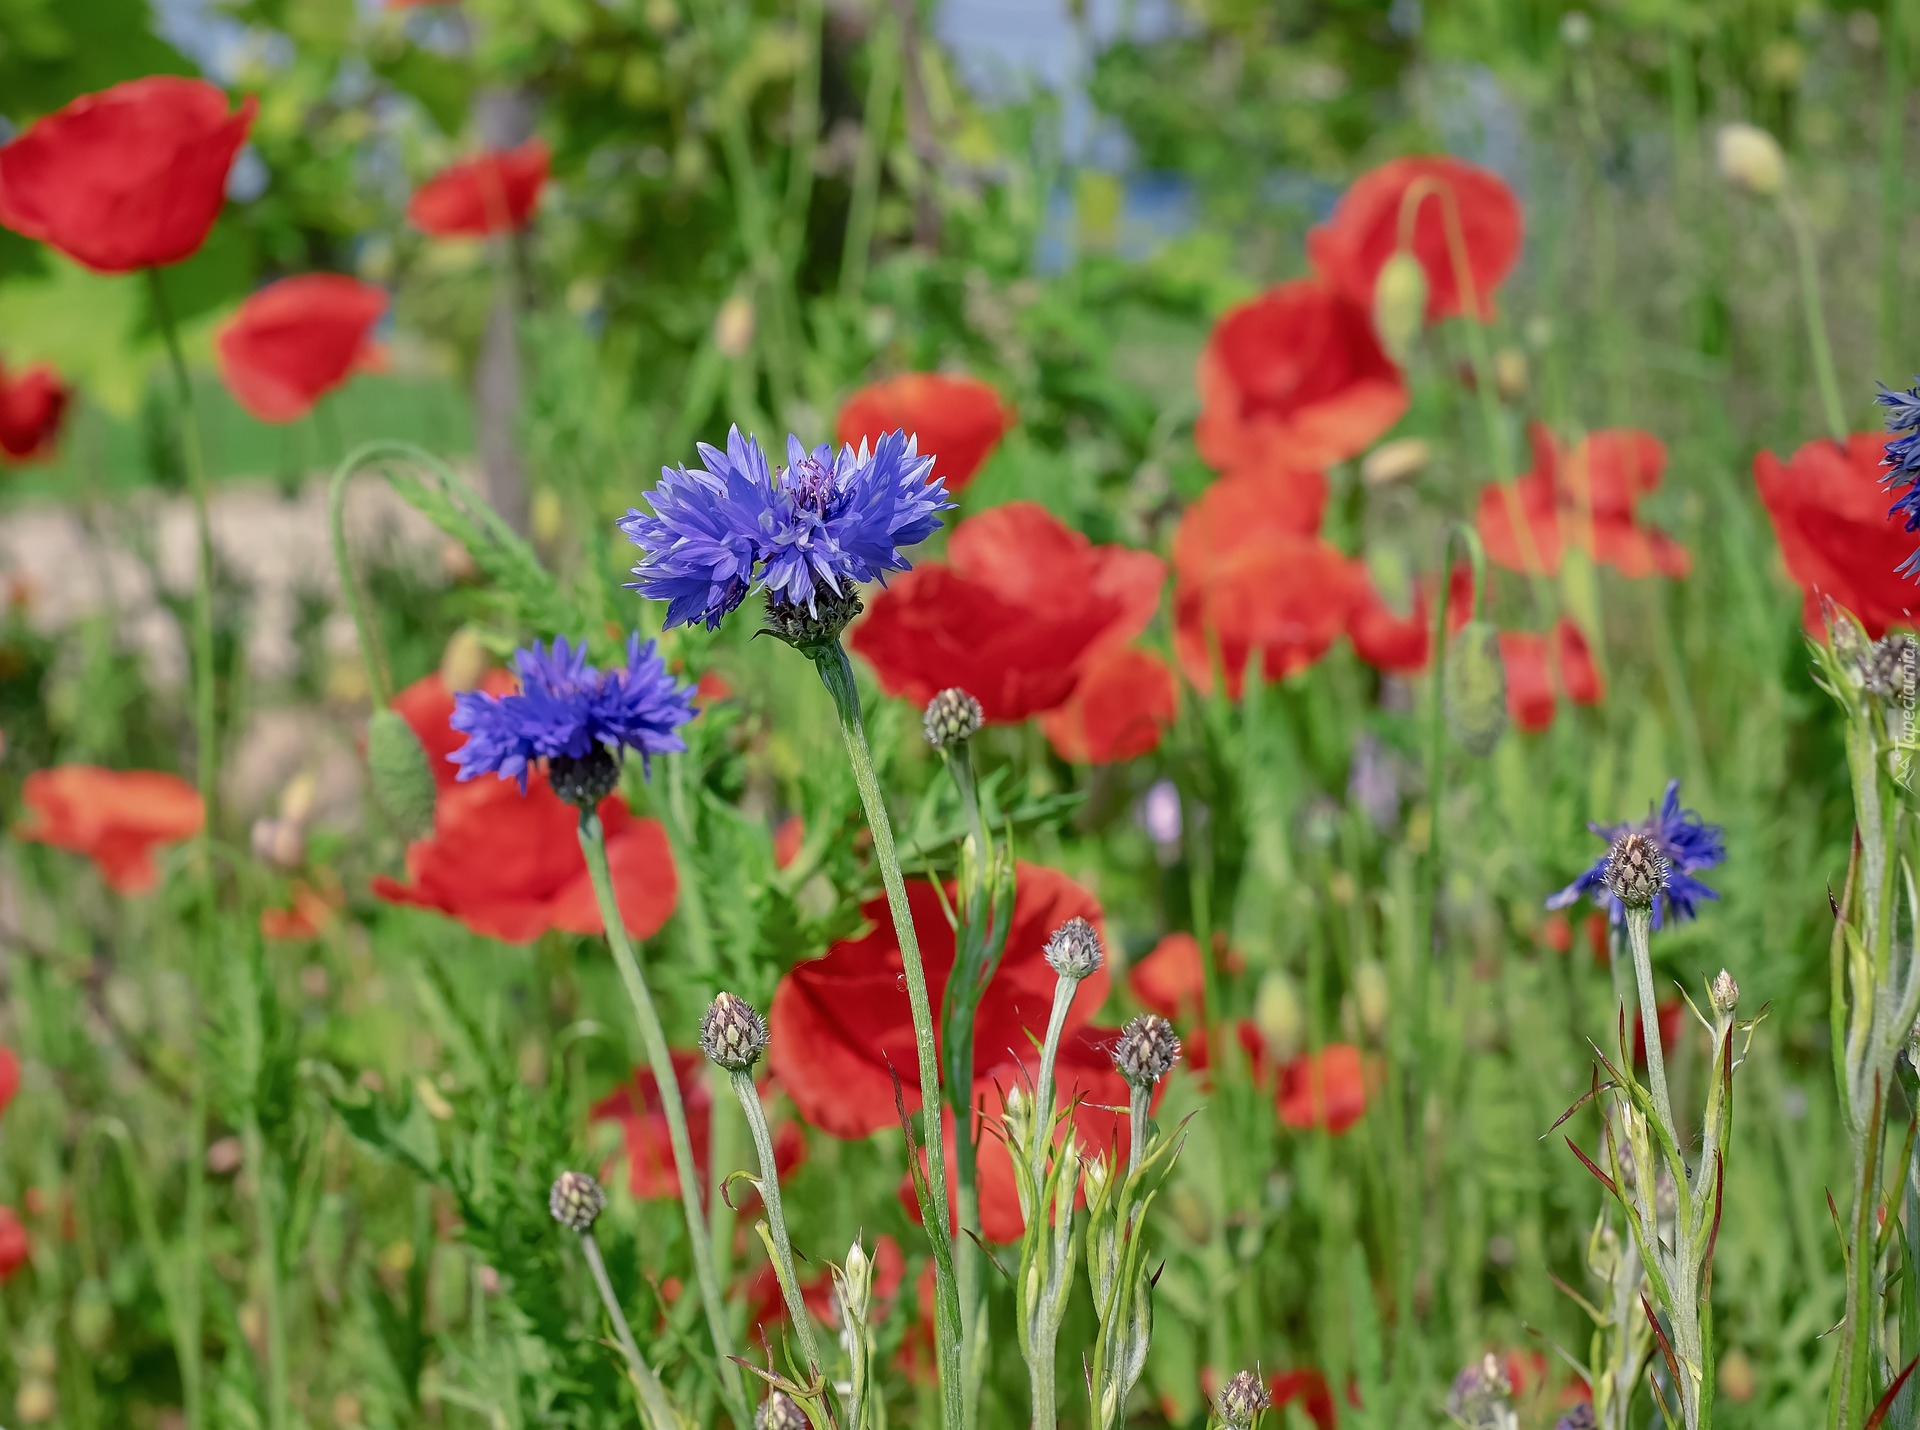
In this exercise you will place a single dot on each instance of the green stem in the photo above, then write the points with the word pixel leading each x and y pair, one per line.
pixel 1807 252
pixel 177 1278
pixel 660 1060
pixel 377 675
pixel 266 1227
pixel 836 673
pixel 749 1096
pixel 1893 188
pixel 1063 990
pixel 1639 922
pixel 1138 1100
pixel 883 57
pixel 657 1410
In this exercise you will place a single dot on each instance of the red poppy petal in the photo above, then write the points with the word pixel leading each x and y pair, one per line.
pixel 957 420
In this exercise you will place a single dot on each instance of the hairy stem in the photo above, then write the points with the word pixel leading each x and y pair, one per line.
pixel 656 1409
pixel 749 1096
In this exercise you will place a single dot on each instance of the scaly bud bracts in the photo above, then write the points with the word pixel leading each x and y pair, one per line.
pixel 1724 992
pixel 1242 1399
pixel 733 1033
pixel 576 1201
pixel 584 781
pixel 1074 950
pixel 779 1412
pixel 952 717
pixel 1147 1050
pixel 1636 870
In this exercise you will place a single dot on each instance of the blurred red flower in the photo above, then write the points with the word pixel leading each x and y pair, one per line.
pixel 307 915
pixel 1012 617
pixel 1385 639
pixel 1352 246
pixel 1294 379
pixel 1671 1014
pixel 1324 1089
pixel 788 840
pixel 15 1245
pixel 131 177
pixel 841 1025
pixel 1536 664
pixel 1585 496
pixel 959 420
pixel 1830 516
pixel 114 817
pixel 1170 980
pixel 635 1105
pixel 9 1076
pixel 1310 1390
pixel 1121 706
pixel 1244 511
pixel 294 341
pixel 1288 597
pixel 767 1304
pixel 1573 662
pixel 509 865
pixel 427 706
pixel 496 192
pixel 31 406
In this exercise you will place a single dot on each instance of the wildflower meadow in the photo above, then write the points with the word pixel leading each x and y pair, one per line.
pixel 959 714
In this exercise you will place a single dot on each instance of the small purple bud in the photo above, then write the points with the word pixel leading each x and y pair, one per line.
pixel 1147 1050
pixel 1074 950
pixel 733 1034
pixel 576 1201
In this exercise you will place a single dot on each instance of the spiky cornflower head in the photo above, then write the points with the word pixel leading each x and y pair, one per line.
pixel 822 524
pixel 1724 992
pixel 576 1201
pixel 1688 845
pixel 578 719
pixel 1147 1050
pixel 1888 668
pixel 779 1411
pixel 733 1034
pixel 1242 1398
pixel 1482 1395
pixel 1074 950
pixel 1903 458
pixel 1636 870
pixel 1578 1418
pixel 953 716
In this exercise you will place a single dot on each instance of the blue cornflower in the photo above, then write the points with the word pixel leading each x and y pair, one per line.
pixel 1903 458
pixel 579 719
pixel 823 522
pixel 1687 841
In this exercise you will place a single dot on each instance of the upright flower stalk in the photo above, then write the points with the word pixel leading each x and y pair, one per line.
pixel 576 1202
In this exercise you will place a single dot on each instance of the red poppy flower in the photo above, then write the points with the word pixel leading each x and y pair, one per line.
pixel 1013 616
pixel 9 1076
pixel 427 706
pixel 767 1303
pixel 1170 980
pixel 959 420
pixel 1829 513
pixel 1324 1089
pixel 1122 705
pixel 1352 246
pixel 1288 597
pixel 1308 1389
pixel 788 840
pixel 131 177
pixel 15 1245
pixel 509 865
pixel 841 1025
pixel 1397 644
pixel 476 198
pixel 115 817
pixel 635 1105
pixel 1530 698
pixel 31 406
pixel 1294 379
pixel 1586 496
pixel 1573 662
pixel 294 341
pixel 308 913
pixel 1244 511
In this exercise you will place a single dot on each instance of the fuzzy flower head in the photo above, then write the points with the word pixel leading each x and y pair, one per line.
pixel 1685 844
pixel 577 718
pixel 824 522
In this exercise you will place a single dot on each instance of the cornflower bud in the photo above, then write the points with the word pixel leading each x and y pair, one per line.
pixel 1887 667
pixel 576 1201
pixel 1482 1396
pixel 1147 1050
pixel 1074 950
pixel 952 718
pixel 1243 1398
pixel 1578 1418
pixel 733 1034
pixel 1636 870
pixel 1750 159
pixel 1724 992
pixel 779 1412
pixel 859 1281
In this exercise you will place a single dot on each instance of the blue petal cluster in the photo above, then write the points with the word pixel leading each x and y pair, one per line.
pixel 1903 459
pixel 565 707
pixel 1689 843
pixel 821 521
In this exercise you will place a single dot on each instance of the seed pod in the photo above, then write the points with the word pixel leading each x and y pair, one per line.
pixel 1473 696
pixel 1400 304
pixel 402 781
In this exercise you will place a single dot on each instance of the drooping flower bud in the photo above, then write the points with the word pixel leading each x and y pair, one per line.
pixel 779 1412
pixel 733 1033
pixel 1399 304
pixel 1147 1050
pixel 1473 696
pixel 1724 992
pixel 1750 159
pixel 952 717
pixel 1636 870
pixel 576 1201
pixel 1482 1396
pixel 1243 1398
pixel 402 782
pixel 1074 950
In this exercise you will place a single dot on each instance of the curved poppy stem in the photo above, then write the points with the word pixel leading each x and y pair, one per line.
pixel 594 845
pixel 836 673
pixel 749 1096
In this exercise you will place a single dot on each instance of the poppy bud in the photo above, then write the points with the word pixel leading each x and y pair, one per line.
pixel 1510 374
pixel 1482 1396
pixel 1370 995
pixel 402 783
pixel 1242 1399
pixel 1750 159
pixel 576 1201
pixel 1147 1050
pixel 1474 696
pixel 1395 461
pixel 1399 304
pixel 952 717
pixel 733 326
pixel 1277 1014
pixel 584 781
pixel 779 1412
pixel 1636 870
pixel 1074 950
pixel 1724 992
pixel 463 661
pixel 733 1034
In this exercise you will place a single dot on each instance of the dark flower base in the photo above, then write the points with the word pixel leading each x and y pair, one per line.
pixel 584 782
pixel 806 630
